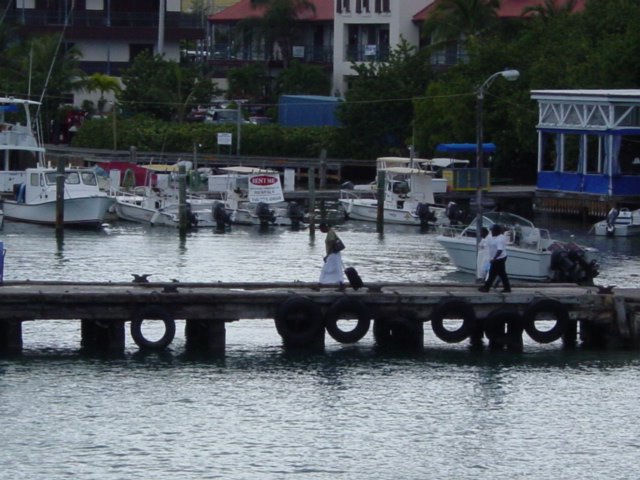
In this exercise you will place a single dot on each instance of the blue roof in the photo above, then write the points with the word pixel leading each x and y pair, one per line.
pixel 464 147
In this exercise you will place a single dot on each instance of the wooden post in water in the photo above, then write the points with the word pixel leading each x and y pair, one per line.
pixel 312 201
pixel 323 169
pixel 60 196
pixel 380 194
pixel 182 198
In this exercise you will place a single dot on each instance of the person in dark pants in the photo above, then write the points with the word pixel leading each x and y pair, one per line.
pixel 496 243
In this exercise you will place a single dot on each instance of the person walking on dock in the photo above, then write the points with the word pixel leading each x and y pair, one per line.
pixel 483 260
pixel 332 270
pixel 497 246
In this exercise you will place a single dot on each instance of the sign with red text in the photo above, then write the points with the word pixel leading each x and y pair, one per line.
pixel 265 188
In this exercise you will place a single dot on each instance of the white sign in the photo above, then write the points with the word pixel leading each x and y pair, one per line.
pixel 225 138
pixel 298 51
pixel 370 50
pixel 265 188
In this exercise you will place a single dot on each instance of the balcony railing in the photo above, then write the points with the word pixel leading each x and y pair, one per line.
pixel 41 18
pixel 305 53
pixel 367 53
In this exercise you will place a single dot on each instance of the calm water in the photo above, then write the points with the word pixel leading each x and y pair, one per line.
pixel 350 412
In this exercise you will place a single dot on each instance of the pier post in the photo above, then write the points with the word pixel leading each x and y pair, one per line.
pixel 205 336
pixel 103 335
pixel 182 198
pixel 60 196
pixel 11 337
pixel 380 195
pixel 323 169
pixel 312 201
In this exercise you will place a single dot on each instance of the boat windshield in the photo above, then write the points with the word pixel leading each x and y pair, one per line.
pixel 506 220
pixel 71 178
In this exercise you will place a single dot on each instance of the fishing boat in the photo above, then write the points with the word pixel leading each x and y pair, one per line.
pixel 33 190
pixel 408 196
pixel 35 200
pixel 253 196
pixel 158 201
pixel 532 253
pixel 619 223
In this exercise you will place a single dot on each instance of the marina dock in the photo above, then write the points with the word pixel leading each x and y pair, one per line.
pixel 303 313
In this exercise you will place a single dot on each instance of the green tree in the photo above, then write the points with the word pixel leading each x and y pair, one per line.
pixel 280 23
pixel 162 88
pixel 378 112
pixel 101 83
pixel 247 82
pixel 300 78
pixel 460 21
pixel 550 9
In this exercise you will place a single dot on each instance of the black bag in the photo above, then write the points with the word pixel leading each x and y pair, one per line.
pixel 338 246
pixel 354 278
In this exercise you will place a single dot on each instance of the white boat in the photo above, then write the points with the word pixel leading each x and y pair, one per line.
pixel 532 253
pixel 253 196
pixel 158 202
pixel 34 189
pixel 408 196
pixel 619 223
pixel 84 204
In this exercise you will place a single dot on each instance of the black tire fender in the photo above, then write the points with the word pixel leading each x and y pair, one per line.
pixel 397 328
pixel 453 309
pixel 347 305
pixel 503 326
pixel 299 321
pixel 557 310
pixel 153 312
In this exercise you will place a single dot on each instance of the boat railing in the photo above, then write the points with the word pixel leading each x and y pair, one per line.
pixel 451 230
pixel 357 194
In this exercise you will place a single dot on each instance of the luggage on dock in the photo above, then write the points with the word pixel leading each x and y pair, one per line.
pixel 354 278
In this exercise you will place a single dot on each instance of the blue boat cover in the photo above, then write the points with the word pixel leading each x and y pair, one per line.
pixel 8 108
pixel 464 147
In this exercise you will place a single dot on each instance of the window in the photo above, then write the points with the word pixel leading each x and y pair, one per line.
pixel 89 178
pixel 385 6
pixel 378 6
pixel 34 180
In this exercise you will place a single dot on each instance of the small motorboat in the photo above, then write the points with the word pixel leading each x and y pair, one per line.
pixel 532 253
pixel 619 223
pixel 253 196
pixel 408 196
pixel 35 200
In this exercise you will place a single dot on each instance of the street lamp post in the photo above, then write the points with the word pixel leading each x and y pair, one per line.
pixel 509 75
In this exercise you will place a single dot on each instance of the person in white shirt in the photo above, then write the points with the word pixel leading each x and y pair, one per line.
pixel 497 243
pixel 483 263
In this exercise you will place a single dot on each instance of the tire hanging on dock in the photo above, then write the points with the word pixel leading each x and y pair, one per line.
pixel 153 313
pixel 554 311
pixel 339 310
pixel 396 329
pixel 299 321
pixel 503 327
pixel 453 309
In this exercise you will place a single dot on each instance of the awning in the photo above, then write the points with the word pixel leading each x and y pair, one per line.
pixel 464 147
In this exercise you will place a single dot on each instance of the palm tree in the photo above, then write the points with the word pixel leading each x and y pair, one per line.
pixel 99 82
pixel 455 21
pixel 280 23
pixel 550 9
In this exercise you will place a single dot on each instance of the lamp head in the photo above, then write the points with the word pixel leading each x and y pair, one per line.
pixel 510 74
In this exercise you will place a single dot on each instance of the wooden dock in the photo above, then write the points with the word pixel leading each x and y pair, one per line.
pixel 304 312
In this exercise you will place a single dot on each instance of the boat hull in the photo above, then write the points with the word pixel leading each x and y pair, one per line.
pixel 630 230
pixel 367 210
pixel 522 264
pixel 86 211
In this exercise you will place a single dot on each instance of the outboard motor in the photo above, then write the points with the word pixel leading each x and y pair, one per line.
pixel 570 265
pixel 611 221
pixel 425 214
pixel 192 219
pixel 265 214
pixel 454 214
pixel 294 212
pixel 220 215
